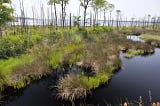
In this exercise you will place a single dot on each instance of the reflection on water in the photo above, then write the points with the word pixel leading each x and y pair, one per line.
pixel 135 38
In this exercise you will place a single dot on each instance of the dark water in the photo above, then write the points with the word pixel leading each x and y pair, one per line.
pixel 37 94
pixel 137 76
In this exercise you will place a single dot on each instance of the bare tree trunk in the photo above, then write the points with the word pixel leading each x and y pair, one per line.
pixel 117 22
pixel 157 21
pixel 55 12
pixel 97 18
pixel 94 18
pixel 90 19
pixel 0 32
pixel 70 21
pixel 154 21
pixel 84 20
pixel 62 6
pixel 110 15
pixel 22 17
pixel 33 17
pixel 48 17
pixel 42 15
pixel 13 22
pixel 51 15
pixel 148 22
pixel 104 18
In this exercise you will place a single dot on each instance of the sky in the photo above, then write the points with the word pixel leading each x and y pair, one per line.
pixel 129 8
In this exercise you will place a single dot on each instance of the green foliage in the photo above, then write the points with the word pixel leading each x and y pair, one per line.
pixel 65 36
pixel 98 30
pixel 94 81
pixel 99 3
pixel 5 12
pixel 51 2
pixel 130 53
pixel 77 21
pixel 125 30
pixel 57 56
pixel 55 59
pixel 11 46
pixel 16 45
pixel 150 37
pixel 108 29
pixel 7 67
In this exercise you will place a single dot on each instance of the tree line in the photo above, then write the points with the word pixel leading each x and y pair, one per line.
pixel 97 8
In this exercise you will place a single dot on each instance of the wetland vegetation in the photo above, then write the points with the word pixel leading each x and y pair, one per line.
pixel 32 52
pixel 96 52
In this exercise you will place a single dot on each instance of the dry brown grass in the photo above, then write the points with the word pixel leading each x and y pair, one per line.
pixel 70 88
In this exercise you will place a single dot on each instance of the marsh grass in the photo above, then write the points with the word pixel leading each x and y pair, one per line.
pixel 132 30
pixel 93 82
pixel 130 53
pixel 152 39
pixel 70 88
pixel 62 53
pixel 19 71
pixel 150 36
pixel 7 66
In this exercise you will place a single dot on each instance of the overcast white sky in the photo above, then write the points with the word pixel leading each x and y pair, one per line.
pixel 129 8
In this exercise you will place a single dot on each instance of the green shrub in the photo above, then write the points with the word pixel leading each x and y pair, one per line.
pixel 16 45
pixel 11 46
pixel 98 30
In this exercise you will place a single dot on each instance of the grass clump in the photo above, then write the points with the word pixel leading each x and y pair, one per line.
pixel 22 75
pixel 7 66
pixel 74 87
pixel 93 82
pixel 64 53
pixel 152 39
pixel 71 88
pixel 130 53
pixel 19 71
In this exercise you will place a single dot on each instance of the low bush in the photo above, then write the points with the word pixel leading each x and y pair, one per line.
pixel 16 45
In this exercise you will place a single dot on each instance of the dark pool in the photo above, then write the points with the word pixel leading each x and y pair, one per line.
pixel 137 76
